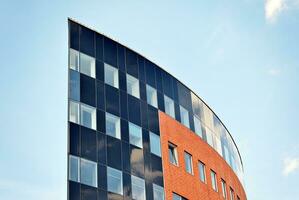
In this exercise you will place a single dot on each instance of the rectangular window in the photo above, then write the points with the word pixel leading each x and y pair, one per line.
pixel 88 116
pixel 74 59
pixel 169 106
pixel 151 96
pixel 112 125
pixel 87 65
pixel 238 198
pixel 202 171
pixel 209 135
pixel 111 75
pixel 214 180
pixel 74 112
pixel 231 194
pixel 114 181
pixel 132 86
pixel 173 155
pixel 88 172
pixel 197 126
pixel 135 135
pixel 74 172
pixel 184 116
pixel 155 145
pixel 188 163
pixel 223 185
pixel 138 188
pixel 158 192
pixel 74 85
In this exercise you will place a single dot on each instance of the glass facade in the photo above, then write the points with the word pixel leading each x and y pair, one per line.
pixel 115 95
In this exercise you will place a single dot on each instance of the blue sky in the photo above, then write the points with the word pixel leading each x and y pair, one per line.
pixel 240 56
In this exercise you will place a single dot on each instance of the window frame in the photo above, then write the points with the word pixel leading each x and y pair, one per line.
pixel 117 126
pixel 159 189
pixel 157 149
pixel 82 160
pixel 136 182
pixel 214 180
pixel 92 66
pixel 110 169
pixel 109 68
pixel 200 163
pixel 171 111
pixel 131 79
pixel 175 153
pixel 77 159
pixel 93 115
pixel 188 156
pixel 135 131
pixel 184 113
pixel 151 96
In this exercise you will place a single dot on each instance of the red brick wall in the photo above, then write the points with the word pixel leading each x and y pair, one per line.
pixel 176 179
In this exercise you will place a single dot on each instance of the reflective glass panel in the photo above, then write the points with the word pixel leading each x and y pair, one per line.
pixel 74 59
pixel 74 168
pixel 135 135
pixel 184 116
pixel 151 96
pixel 74 112
pixel 132 86
pixel 188 163
pixel 88 172
pixel 114 181
pixel 87 65
pixel 169 106
pixel 138 188
pixel 158 192
pixel 88 116
pixel 155 144
pixel 111 75
pixel 112 125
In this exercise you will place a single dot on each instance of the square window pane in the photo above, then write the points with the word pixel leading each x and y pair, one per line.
pixel 135 135
pixel 74 168
pixel 132 86
pixel 112 125
pixel 188 163
pixel 158 192
pixel 88 116
pixel 88 173
pixel 202 171
pixel 197 126
pixel 184 116
pixel 151 96
pixel 87 65
pixel 114 181
pixel 155 144
pixel 74 59
pixel 169 106
pixel 173 156
pixel 74 112
pixel 111 75
pixel 138 188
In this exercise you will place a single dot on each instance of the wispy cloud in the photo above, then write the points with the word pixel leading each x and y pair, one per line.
pixel 290 165
pixel 274 7
pixel 274 72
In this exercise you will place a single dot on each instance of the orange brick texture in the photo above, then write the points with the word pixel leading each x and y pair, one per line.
pixel 177 180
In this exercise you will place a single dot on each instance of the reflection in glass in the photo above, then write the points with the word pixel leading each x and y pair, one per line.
pixel 138 188
pixel 169 106
pixel 135 135
pixel 87 65
pixel 151 96
pixel 74 59
pixel 155 144
pixel 74 112
pixel 111 75
pixel 188 163
pixel 114 181
pixel 88 172
pixel 112 125
pixel 74 168
pixel 132 86
pixel 184 116
pixel 158 192
pixel 88 116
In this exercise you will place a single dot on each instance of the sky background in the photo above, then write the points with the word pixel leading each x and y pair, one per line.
pixel 240 56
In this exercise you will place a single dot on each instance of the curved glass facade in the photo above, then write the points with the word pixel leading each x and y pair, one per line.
pixel 109 82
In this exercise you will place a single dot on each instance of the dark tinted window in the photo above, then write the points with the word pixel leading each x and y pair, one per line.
pixel 184 97
pixel 87 90
pixel 131 61
pixel 150 74
pixel 99 47
pixel 159 79
pixel 74 85
pixel 74 35
pixel 121 58
pixel 134 110
pixel 100 95
pixel 113 152
pixel 102 148
pixel 122 81
pixel 127 186
pixel 112 100
pixel 88 144
pixel 153 120
pixel 110 52
pixel 137 163
pixel 124 130
pixel 74 134
pixel 101 121
pixel 123 105
pixel 74 190
pixel 100 70
pixel 88 193
pixel 102 177
pixel 87 44
pixel 141 69
pixel 156 173
pixel 167 84
pixel 126 156
pixel 144 117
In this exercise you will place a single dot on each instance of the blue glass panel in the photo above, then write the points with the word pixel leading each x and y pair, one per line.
pixel 88 144
pixel 100 70
pixel 134 110
pixel 150 73
pixel 101 148
pixel 157 175
pixel 101 121
pixel 87 41
pixel 74 134
pixel 136 159
pixel 74 85
pixel 159 79
pixel 114 153
pixel 100 95
pixel 74 190
pixel 153 119
pixel 110 52
pixel 124 130
pixel 131 63
pixel 99 47
pixel 102 177
pixel 112 100
pixel 126 156
pixel 123 105
pixel 121 58
pixel 88 193
pixel 87 90
pixel 74 35
pixel 141 69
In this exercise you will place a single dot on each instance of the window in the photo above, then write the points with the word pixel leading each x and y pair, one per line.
pixel 114 181
pixel 111 75
pixel 209 135
pixel 202 171
pixel 238 198
pixel 173 155
pixel 74 60
pixel 88 116
pixel 74 173
pixel 138 188
pixel 87 65
pixel 223 185
pixel 188 163
pixel 184 116
pixel 197 126
pixel 155 144
pixel 177 197
pixel 88 172
pixel 158 192
pixel 169 106
pixel 214 180
pixel 231 194
pixel 112 125
pixel 135 135
pixel 132 86
pixel 74 112
pixel 74 85
pixel 151 96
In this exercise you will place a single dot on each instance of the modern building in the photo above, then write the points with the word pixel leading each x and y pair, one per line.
pixel 136 132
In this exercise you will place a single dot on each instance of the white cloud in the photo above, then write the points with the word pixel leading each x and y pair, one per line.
pixel 274 7
pixel 274 72
pixel 290 165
